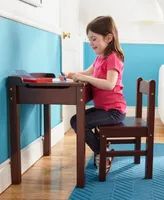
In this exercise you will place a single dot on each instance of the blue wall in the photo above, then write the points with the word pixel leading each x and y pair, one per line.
pixel 141 60
pixel 34 50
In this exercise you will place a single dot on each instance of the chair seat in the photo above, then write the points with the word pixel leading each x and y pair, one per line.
pixel 129 122
pixel 127 128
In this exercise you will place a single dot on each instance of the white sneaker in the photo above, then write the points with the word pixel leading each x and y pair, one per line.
pixel 97 158
pixel 108 164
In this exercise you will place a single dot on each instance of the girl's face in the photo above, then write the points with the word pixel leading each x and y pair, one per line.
pixel 99 42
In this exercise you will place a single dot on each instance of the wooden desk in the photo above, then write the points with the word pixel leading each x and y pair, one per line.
pixel 68 93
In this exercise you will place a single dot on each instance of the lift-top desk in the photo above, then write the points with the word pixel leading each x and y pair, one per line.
pixel 69 93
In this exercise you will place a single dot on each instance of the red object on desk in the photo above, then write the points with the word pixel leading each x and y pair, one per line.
pixel 37 80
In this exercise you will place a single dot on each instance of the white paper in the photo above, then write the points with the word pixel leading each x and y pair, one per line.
pixel 57 80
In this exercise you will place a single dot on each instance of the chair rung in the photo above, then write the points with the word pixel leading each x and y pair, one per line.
pixel 125 133
pixel 130 141
pixel 125 153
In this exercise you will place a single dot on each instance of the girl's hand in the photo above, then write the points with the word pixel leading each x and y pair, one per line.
pixel 62 77
pixel 78 77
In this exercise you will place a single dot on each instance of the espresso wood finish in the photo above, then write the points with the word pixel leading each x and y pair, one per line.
pixel 134 127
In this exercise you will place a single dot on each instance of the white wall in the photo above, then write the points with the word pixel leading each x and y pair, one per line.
pixel 141 32
pixel 131 32
pixel 47 17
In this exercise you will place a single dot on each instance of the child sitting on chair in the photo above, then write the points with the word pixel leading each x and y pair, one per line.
pixel 105 75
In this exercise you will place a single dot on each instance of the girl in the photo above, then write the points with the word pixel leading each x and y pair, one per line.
pixel 105 75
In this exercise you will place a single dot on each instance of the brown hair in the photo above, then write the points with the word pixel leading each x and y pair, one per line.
pixel 104 25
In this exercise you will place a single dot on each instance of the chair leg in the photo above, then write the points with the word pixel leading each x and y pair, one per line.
pixel 149 158
pixel 102 164
pixel 137 147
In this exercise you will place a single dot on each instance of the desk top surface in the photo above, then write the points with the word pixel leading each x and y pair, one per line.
pixel 18 81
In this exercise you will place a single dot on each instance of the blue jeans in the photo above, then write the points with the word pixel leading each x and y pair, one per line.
pixel 95 117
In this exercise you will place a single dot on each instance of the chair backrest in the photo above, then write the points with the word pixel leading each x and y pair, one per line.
pixel 148 88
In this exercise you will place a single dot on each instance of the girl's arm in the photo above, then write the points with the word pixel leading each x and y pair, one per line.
pixel 105 84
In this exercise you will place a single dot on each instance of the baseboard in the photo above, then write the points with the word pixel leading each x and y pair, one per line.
pixel 29 155
pixel 67 112
pixel 131 111
pixel 5 175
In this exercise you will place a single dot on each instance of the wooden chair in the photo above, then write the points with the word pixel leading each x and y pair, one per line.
pixel 132 127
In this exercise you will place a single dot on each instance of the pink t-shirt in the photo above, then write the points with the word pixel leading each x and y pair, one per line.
pixel 109 99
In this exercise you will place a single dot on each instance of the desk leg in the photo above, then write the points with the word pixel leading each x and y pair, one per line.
pixel 14 136
pixel 47 130
pixel 80 138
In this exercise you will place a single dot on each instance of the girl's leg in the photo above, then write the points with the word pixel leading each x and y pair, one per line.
pixel 97 117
